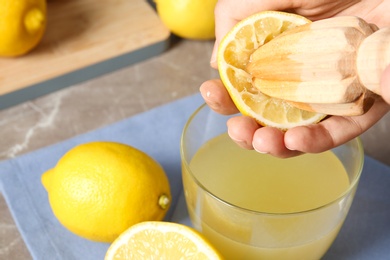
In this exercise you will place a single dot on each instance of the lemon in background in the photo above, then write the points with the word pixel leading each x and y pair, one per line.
pixel 99 189
pixel 191 19
pixel 22 25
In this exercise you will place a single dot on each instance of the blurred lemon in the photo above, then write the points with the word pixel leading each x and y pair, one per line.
pixel 22 24
pixel 161 240
pixel 234 54
pixel 97 190
pixel 191 19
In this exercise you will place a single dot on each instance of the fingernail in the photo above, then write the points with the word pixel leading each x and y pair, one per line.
pixel 258 150
pixel 290 148
pixel 207 96
pixel 286 145
pixel 213 63
pixel 241 143
pixel 204 93
pixel 262 152
pixel 213 58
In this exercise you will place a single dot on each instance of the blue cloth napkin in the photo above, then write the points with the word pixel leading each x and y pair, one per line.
pixel 365 234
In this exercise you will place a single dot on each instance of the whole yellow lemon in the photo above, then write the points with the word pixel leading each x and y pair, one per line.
pixel 22 25
pixel 99 189
pixel 191 19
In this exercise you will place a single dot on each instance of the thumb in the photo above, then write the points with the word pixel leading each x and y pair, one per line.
pixel 385 84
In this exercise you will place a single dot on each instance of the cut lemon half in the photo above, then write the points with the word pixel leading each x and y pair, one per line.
pixel 233 56
pixel 161 240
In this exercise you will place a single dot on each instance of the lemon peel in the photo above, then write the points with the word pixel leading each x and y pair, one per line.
pixel 99 189
pixel 22 26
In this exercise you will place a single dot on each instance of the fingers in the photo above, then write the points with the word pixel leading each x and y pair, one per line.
pixel 316 138
pixel 333 131
pixel 385 85
pixel 330 133
pixel 241 130
pixel 216 96
pixel 271 140
pixel 320 137
pixel 246 133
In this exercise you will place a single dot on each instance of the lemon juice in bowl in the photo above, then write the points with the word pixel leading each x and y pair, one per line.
pixel 255 206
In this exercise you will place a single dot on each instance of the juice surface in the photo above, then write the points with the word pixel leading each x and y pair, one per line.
pixel 265 183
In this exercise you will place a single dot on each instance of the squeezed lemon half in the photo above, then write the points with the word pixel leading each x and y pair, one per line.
pixel 233 56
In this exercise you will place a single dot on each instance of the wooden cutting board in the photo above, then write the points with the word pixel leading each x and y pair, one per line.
pixel 83 34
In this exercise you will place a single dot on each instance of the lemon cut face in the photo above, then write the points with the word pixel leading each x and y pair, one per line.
pixel 233 56
pixel 161 240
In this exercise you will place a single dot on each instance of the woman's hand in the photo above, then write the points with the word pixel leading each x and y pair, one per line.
pixel 320 137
